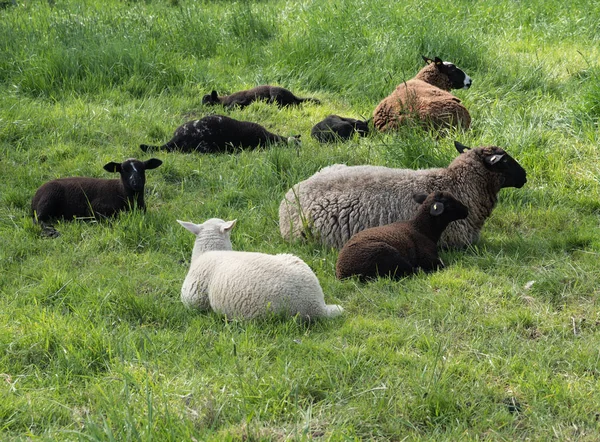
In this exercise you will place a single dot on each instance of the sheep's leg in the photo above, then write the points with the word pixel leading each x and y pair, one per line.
pixel 377 259
pixel 391 263
pixel 48 230
pixel 431 265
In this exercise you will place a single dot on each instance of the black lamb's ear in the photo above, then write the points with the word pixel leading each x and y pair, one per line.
pixel 438 61
pixel 214 96
pixel 113 167
pixel 152 163
pixel 427 59
pixel 493 159
pixel 419 197
pixel 437 208
pixel 460 147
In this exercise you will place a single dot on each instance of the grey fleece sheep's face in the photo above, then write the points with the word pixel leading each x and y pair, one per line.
pixel 133 172
pixel 498 161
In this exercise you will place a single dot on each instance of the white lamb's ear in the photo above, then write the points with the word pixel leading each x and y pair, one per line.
pixel 228 225
pixel 194 228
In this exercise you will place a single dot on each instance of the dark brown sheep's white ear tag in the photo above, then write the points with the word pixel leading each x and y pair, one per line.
pixel 437 209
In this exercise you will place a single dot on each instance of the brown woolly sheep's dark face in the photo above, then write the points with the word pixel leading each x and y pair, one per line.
pixel 498 161
pixel 458 79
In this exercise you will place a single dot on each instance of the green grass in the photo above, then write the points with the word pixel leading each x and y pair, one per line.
pixel 501 345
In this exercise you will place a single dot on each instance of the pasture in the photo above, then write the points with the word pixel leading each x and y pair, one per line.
pixel 503 344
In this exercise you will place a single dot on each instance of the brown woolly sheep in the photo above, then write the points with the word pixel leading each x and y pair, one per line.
pixel 426 98
pixel 402 248
pixel 218 133
pixel 272 94
pixel 83 197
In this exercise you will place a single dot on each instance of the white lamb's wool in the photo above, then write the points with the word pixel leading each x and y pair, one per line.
pixel 247 284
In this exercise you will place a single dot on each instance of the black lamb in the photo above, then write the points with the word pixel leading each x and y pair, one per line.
pixel 83 197
pixel 334 128
pixel 402 248
pixel 218 133
pixel 272 94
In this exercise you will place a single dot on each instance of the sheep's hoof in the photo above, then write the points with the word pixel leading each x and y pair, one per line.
pixel 50 232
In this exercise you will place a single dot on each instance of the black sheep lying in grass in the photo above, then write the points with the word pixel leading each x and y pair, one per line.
pixel 218 133
pixel 83 197
pixel 334 127
pixel 272 94
pixel 402 248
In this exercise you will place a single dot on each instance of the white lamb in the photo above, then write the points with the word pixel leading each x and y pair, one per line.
pixel 247 284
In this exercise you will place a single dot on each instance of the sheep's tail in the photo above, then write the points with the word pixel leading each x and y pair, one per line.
pixel 333 310
pixel 310 100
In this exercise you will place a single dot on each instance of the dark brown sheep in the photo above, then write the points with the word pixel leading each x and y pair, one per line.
pixel 272 94
pixel 426 98
pixel 218 133
pixel 402 248
pixel 83 197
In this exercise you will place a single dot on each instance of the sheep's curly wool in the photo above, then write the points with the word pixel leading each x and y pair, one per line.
pixel 339 201
pixel 425 98
pixel 248 284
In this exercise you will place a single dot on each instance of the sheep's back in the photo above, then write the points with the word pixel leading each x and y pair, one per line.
pixel 249 284
pixel 418 99
pixel 77 197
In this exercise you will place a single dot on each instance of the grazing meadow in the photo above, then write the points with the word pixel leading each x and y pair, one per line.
pixel 503 344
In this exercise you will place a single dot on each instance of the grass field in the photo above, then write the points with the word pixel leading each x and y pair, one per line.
pixel 503 344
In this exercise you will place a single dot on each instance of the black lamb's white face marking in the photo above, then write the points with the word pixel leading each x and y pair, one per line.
pixel 133 171
pixel 457 77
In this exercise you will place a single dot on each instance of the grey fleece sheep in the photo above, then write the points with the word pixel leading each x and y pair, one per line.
pixel 334 128
pixel 402 248
pixel 426 97
pixel 272 94
pixel 339 201
pixel 76 197
pixel 218 133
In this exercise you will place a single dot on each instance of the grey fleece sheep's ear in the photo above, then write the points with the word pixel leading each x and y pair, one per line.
pixel 419 197
pixel 437 208
pixel 460 147
pixel 493 159
pixel 113 167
